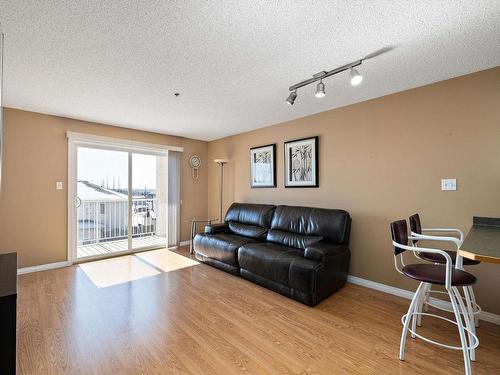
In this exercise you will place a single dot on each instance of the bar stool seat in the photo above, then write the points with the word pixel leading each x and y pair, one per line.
pixel 437 258
pixel 436 274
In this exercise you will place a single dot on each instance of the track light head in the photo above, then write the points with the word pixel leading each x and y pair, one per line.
pixel 291 98
pixel 320 90
pixel 356 78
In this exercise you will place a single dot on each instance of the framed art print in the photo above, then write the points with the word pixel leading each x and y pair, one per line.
pixel 301 163
pixel 263 166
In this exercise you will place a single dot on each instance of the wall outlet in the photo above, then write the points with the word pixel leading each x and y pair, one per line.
pixel 59 185
pixel 449 184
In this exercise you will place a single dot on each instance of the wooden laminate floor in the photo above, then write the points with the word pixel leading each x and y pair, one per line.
pixel 177 316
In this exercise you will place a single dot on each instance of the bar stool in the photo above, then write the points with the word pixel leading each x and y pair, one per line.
pixel 433 274
pixel 420 234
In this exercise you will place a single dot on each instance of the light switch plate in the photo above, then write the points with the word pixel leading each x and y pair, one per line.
pixel 449 184
pixel 59 185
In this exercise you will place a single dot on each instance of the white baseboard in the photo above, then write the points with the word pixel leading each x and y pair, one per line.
pixel 184 243
pixel 380 287
pixel 43 267
pixel 483 315
pixel 489 317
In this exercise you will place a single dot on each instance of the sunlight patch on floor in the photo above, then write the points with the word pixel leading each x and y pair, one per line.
pixel 166 260
pixel 114 271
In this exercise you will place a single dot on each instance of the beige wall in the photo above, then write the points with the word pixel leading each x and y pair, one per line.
pixel 33 214
pixel 383 160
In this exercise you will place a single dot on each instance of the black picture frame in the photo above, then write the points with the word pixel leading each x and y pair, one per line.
pixel 290 177
pixel 271 148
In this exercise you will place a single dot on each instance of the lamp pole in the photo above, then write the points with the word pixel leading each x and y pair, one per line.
pixel 221 163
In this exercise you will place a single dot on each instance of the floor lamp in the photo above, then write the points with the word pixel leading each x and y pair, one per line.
pixel 221 163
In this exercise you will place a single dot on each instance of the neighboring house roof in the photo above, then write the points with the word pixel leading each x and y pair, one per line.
pixel 92 192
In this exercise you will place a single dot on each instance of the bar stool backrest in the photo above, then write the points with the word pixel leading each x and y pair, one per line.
pixel 399 234
pixel 415 225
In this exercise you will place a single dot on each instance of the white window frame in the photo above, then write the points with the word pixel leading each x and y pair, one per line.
pixel 95 141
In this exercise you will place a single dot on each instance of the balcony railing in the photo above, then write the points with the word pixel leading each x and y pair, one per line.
pixel 104 221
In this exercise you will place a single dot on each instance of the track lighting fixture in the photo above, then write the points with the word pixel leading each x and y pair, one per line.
pixel 291 98
pixel 320 89
pixel 355 78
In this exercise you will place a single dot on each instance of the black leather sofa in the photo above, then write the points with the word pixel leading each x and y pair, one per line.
pixel 300 252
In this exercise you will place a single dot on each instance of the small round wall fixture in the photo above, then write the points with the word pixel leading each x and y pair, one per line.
pixel 195 164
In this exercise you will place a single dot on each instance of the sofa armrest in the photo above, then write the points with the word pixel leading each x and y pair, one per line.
pixel 216 228
pixel 320 252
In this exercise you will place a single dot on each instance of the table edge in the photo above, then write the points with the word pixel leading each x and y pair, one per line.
pixel 479 257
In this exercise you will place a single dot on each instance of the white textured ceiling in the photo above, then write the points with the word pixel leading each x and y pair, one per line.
pixel 119 62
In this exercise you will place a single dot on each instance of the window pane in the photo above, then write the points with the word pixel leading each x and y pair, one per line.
pixel 102 214
pixel 149 196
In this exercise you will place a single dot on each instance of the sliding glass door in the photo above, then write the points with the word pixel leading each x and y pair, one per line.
pixel 149 201
pixel 121 201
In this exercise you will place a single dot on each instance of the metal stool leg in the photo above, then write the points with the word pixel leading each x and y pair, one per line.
pixel 423 305
pixel 411 309
pixel 426 299
pixel 416 319
pixel 463 337
pixel 474 305
pixel 469 315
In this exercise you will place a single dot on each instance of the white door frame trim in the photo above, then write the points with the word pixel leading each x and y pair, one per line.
pixel 96 140
pixel 72 186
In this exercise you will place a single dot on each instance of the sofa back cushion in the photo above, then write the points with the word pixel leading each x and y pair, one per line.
pixel 250 220
pixel 292 239
pixel 331 225
pixel 247 230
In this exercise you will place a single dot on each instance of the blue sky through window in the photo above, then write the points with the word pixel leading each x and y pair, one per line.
pixel 110 168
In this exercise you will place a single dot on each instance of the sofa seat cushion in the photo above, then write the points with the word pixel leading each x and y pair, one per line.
pixel 281 264
pixel 222 247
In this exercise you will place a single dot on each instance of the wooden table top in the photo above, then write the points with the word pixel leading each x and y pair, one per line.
pixel 483 241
